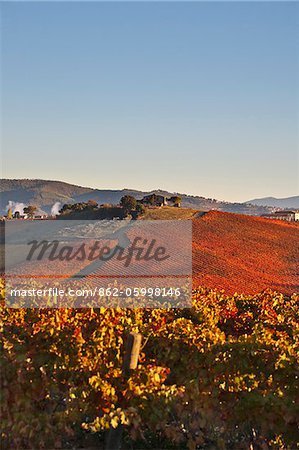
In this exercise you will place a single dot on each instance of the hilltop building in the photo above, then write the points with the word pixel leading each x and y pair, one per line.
pixel 290 216
pixel 160 200
pixel 154 200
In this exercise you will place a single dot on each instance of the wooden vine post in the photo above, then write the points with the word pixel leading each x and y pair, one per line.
pixel 133 346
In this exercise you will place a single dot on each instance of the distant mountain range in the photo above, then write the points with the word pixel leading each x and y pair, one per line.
pixel 46 194
pixel 284 203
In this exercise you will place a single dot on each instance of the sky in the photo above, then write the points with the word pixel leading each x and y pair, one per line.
pixel 191 97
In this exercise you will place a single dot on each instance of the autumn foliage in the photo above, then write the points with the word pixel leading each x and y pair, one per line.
pixel 245 254
pixel 222 374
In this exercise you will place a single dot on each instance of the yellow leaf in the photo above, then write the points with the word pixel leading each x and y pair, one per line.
pixel 157 377
pixel 114 422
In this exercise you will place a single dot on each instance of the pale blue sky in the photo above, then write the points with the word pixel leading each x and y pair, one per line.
pixel 199 98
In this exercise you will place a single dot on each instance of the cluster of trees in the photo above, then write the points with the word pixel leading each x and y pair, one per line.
pixel 29 210
pixel 91 205
pixel 128 206
pixel 131 206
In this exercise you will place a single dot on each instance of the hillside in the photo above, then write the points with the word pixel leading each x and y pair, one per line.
pixel 285 203
pixel 42 193
pixel 245 254
pixel 169 213
pixel 45 193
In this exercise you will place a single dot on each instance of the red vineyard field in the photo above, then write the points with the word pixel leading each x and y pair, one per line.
pixel 245 254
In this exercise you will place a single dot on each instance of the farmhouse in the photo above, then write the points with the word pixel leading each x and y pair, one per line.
pixel 154 200
pixel 289 216
pixel 161 200
pixel 175 201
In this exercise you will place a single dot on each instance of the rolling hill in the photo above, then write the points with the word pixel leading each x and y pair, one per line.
pixel 284 203
pixel 245 254
pixel 45 193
